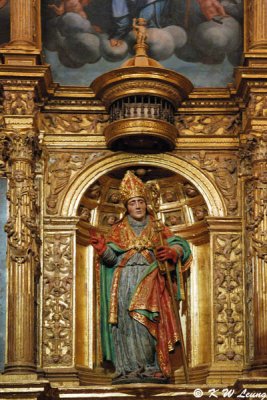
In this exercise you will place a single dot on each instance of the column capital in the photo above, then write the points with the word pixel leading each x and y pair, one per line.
pixel 20 145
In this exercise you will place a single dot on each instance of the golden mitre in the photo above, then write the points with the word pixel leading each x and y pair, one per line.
pixel 131 186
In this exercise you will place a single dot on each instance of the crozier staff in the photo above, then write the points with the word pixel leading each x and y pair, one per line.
pixel 138 326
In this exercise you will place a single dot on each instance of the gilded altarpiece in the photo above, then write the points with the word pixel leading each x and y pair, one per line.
pixel 62 176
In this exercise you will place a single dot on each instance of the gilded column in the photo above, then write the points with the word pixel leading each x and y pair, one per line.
pixel 25 24
pixel 20 149
pixel 256 226
pixel 253 168
pixel 256 17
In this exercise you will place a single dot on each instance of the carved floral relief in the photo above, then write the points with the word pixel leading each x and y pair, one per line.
pixel 74 123
pixel 257 106
pixel 19 102
pixel 208 125
pixel 224 171
pixel 60 169
pixel 58 298
pixel 228 297
pixel 19 149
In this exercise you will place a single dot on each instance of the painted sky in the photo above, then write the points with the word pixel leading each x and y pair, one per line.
pixel 79 41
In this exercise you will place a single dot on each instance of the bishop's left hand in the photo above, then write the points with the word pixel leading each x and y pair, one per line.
pixel 165 253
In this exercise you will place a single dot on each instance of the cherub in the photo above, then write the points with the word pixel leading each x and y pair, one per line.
pixel 140 29
pixel 75 6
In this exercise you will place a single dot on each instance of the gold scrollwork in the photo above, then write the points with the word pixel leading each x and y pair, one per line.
pixel 228 280
pixel 208 125
pixel 58 297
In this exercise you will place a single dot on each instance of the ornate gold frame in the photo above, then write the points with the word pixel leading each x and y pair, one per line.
pixel 221 149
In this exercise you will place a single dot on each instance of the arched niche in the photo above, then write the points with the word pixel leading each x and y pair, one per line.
pixel 207 188
pixel 198 314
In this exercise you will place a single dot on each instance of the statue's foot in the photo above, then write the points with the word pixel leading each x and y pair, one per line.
pixel 140 376
pixel 129 377
pixel 124 379
pixel 154 377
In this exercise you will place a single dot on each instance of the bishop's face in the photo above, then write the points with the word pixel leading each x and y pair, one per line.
pixel 136 207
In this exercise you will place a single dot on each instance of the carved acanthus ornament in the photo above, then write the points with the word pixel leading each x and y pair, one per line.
pixel 21 150
pixel 257 106
pixel 2 162
pixel 74 123
pixel 19 102
pixel 224 171
pixel 58 297
pixel 208 125
pixel 229 298
pixel 61 168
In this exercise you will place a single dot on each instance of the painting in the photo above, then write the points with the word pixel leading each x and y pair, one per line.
pixel 201 39
pixel 4 22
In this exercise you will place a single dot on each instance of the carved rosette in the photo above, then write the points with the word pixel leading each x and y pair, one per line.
pixel 228 296
pixel 20 150
pixel 58 300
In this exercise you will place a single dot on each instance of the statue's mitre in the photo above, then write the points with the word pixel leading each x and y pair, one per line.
pixel 131 186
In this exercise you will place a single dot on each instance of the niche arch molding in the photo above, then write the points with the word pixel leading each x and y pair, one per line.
pixel 77 187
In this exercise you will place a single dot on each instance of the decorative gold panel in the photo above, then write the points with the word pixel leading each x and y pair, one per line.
pixel 58 300
pixel 220 149
pixel 228 298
